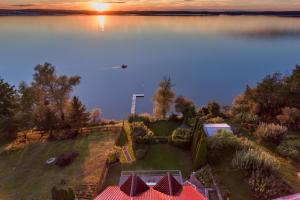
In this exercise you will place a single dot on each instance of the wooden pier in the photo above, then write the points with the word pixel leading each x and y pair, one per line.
pixel 133 104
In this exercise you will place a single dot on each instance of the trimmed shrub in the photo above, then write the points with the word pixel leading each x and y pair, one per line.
pixel 139 129
pixel 215 120
pixel 145 118
pixel 268 187
pixel 254 159
pixel 270 132
pixel 66 159
pixel 181 137
pixel 200 157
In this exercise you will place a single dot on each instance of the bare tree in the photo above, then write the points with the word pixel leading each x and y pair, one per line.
pixel 95 116
pixel 163 98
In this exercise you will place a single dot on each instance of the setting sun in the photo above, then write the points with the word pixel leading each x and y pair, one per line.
pixel 99 6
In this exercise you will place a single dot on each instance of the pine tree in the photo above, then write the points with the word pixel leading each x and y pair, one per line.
pixel 78 117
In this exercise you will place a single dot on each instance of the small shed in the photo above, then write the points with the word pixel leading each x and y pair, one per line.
pixel 212 129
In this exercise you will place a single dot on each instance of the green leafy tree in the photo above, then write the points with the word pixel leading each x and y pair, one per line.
pixel 213 108
pixel 185 106
pixel 163 98
pixel 8 106
pixel 293 83
pixel 46 119
pixel 52 89
pixel 77 115
pixel 27 102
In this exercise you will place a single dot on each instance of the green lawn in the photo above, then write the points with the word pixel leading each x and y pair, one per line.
pixel 159 157
pixel 163 127
pixel 25 176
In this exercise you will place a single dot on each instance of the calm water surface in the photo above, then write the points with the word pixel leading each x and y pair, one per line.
pixel 208 58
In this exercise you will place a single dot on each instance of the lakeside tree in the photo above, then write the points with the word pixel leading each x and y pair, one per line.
pixel 44 104
pixel 52 89
pixel 185 106
pixel 77 115
pixel 95 116
pixel 269 97
pixel 163 98
pixel 8 106
pixel 214 109
pixel 27 102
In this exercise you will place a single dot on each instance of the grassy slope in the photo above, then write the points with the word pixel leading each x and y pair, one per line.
pixel 163 128
pixel 288 168
pixel 24 174
pixel 159 157
pixel 232 180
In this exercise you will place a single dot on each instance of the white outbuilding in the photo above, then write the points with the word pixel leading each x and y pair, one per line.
pixel 212 129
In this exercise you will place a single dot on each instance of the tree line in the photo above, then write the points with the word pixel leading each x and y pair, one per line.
pixel 45 104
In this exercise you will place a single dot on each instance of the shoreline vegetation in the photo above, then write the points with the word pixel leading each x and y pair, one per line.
pixel 57 12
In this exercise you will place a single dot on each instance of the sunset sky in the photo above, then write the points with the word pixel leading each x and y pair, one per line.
pixel 154 4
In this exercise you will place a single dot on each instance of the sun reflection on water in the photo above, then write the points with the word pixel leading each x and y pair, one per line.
pixel 101 22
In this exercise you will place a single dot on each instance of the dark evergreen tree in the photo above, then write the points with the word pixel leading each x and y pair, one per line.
pixel 8 106
pixel 77 116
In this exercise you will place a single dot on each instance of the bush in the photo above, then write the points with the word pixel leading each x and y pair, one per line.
pixel 181 137
pixel 215 120
pixel 270 132
pixel 66 158
pixel 139 129
pixel 247 117
pixel 268 187
pixel 223 140
pixel 62 194
pixel 254 159
pixel 139 118
pixel 204 177
pixel 288 149
pixel 289 116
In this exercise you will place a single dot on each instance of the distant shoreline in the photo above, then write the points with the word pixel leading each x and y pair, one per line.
pixel 46 12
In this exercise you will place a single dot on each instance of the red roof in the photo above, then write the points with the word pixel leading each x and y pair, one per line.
pixel 168 185
pixel 134 186
pixel 188 192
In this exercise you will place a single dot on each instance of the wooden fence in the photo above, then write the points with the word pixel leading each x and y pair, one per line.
pixel 101 129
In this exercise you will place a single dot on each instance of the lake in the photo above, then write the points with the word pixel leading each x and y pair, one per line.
pixel 208 58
